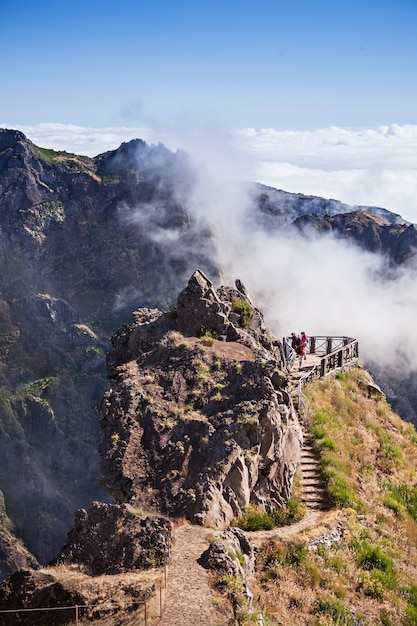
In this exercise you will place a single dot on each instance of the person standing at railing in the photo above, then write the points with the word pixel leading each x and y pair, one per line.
pixel 303 348
pixel 295 342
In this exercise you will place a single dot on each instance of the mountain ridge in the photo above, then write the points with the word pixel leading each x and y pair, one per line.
pixel 84 241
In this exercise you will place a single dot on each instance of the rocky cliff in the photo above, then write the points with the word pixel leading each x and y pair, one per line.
pixel 83 242
pixel 398 242
pixel 198 422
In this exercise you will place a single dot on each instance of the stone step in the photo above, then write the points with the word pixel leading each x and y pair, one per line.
pixel 312 479
pixel 309 458
pixel 312 473
pixel 311 453
pixel 314 488
pixel 311 469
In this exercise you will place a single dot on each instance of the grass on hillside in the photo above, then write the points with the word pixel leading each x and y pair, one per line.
pixel 369 576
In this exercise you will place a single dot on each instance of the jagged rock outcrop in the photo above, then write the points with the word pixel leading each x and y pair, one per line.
pixel 13 554
pixel 194 426
pixel 398 242
pixel 232 557
pixel 112 539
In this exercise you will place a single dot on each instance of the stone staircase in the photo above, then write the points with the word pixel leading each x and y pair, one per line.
pixel 313 489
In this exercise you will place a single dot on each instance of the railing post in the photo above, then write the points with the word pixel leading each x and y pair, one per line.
pixel 329 345
pixel 76 614
pixel 312 345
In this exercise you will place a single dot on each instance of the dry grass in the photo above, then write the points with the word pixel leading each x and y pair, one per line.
pixel 112 598
pixel 369 575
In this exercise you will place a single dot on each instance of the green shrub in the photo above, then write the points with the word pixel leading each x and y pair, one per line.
pixel 296 553
pixel 340 493
pixel 289 554
pixel 243 309
pixel 234 584
pixel 371 557
pixel 411 612
pixel 253 519
pixel 407 496
pixel 393 504
pixel 334 609
pixel 291 513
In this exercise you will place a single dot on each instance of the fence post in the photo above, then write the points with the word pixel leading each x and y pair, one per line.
pixel 146 615
pixel 312 345
pixel 160 600
pixel 76 614
pixel 329 345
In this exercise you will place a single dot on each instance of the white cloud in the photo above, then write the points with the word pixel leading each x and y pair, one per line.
pixel 374 167
pixel 82 140
pixel 324 286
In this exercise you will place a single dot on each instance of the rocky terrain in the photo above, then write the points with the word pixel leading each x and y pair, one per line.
pixel 199 433
pixel 198 423
pixel 398 242
pixel 85 241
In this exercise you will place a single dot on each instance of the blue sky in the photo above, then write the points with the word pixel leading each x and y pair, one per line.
pixel 237 64
pixel 326 91
pixel 312 97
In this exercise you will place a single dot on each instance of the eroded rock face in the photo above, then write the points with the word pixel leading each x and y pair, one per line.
pixel 99 598
pixel 113 539
pixel 13 554
pixel 195 427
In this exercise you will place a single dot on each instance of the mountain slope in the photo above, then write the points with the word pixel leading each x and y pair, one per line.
pixel 359 568
pixel 83 242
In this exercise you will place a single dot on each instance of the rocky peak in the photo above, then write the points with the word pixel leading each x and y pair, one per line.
pixel 10 138
pixel 198 422
pixel 397 242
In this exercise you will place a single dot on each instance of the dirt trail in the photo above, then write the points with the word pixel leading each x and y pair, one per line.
pixel 188 597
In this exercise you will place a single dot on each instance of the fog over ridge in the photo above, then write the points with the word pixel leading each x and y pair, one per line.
pixel 323 285
pixel 370 167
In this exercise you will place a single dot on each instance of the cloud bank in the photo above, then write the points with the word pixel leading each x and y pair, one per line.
pixel 324 286
pixel 374 167
pixel 371 167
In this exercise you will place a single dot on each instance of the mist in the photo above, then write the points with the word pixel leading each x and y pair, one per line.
pixel 320 284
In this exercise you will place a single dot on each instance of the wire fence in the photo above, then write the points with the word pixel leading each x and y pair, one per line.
pixel 79 614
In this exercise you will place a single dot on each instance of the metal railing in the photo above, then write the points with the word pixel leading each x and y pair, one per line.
pixel 338 353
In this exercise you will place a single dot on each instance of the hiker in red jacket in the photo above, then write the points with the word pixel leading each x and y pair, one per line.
pixel 303 348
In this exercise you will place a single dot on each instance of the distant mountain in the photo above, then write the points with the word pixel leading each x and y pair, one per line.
pixel 84 242
pixel 398 242
pixel 286 207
